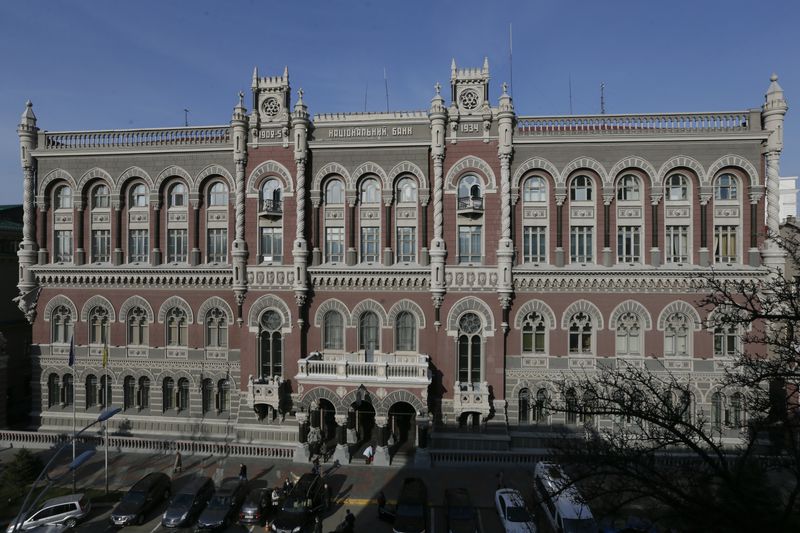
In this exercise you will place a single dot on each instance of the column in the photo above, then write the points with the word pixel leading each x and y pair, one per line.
pixel 155 215
pixel 302 453
pixel 300 248
pixel 560 198
pixel 388 257
pixel 422 458
pixel 438 251
pixel 316 237
pixel 118 255
pixel 382 453
pixel 342 452
pixel 505 247
pixel 350 255
pixel 608 258
pixel 772 118
pixel 195 256
pixel 28 138
pixel 754 256
pixel 239 248
pixel 424 256
pixel 80 253
pixel 703 254
pixel 42 233
pixel 352 437
pixel 655 253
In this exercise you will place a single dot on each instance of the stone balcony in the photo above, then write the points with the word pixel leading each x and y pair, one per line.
pixel 472 398
pixel 357 367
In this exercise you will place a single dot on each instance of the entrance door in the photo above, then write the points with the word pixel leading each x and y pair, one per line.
pixel 402 427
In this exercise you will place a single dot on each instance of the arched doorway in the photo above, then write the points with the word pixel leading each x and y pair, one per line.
pixel 470 421
pixel 402 427
pixel 327 424
pixel 361 420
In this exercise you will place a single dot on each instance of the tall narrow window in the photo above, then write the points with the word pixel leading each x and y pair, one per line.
pixel 725 243
pixel 726 340
pixel 218 245
pixel 406 244
pixel 406 190
pixel 540 413
pixel 183 394
pixel 405 332
pixel 334 193
pixel 177 245
pixel 271 344
pixel 67 390
pixel 138 242
pixel 271 196
pixel 207 395
pixel 128 393
pixel 534 244
pixel 469 348
pixel 370 243
pixel 218 195
pixel 53 390
pixel 571 401
pixel 581 244
pixel 737 410
pixel 581 189
pixel 469 244
pixel 62 325
pixel 628 335
pixel 223 395
pixel 628 244
pixel 98 325
pixel 628 188
pixel 716 410
pixel 168 394
pixel 676 335
pixel 470 192
pixel 677 188
pixel 216 329
pixel 143 394
pixel 176 327
pixel 271 245
pixel 368 331
pixel 677 244
pixel 333 331
pixel 370 192
pixel 104 397
pixel 580 334
pixel 62 252
pixel 524 406
pixel 334 244
pixel 100 197
pixel 139 196
pixel 725 188
pixel 101 246
pixel 63 198
pixel 535 190
pixel 533 334
pixel 177 195
pixel 137 327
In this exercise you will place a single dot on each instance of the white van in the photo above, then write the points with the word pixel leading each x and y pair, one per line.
pixel 561 503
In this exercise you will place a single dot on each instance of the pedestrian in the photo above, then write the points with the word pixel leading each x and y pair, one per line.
pixel 368 453
pixel 178 466
pixel 350 520
pixel 315 466
pixel 317 525
pixel 242 472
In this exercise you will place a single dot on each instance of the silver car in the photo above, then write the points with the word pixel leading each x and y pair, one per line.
pixel 65 511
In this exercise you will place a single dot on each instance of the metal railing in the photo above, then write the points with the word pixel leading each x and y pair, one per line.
pixel 147 138
pixel 272 206
pixel 645 124
pixel 470 203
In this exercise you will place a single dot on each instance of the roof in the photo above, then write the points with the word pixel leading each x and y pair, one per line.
pixel 63 499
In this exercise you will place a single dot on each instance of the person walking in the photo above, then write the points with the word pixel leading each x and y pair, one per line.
pixel 350 521
pixel 317 525
pixel 242 472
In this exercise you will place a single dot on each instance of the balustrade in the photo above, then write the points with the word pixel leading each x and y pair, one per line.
pixel 113 139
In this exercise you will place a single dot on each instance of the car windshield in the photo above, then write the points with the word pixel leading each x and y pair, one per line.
pixel 134 498
pixel 462 512
pixel 219 502
pixel 409 510
pixel 254 497
pixel 291 505
pixel 579 525
pixel 183 500
pixel 518 514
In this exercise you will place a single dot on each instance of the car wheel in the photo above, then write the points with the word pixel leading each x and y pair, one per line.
pixel 71 523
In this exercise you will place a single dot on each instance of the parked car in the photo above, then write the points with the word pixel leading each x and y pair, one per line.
pixel 411 514
pixel 513 513
pixel 307 498
pixel 561 503
pixel 462 517
pixel 65 511
pixel 257 507
pixel 188 502
pixel 141 498
pixel 222 508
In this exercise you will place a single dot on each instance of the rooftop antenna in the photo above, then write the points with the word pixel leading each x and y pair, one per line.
pixel 185 117
pixel 570 93
pixel 602 98
pixel 386 85
pixel 510 60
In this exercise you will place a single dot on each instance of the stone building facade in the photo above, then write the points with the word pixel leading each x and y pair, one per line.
pixel 283 279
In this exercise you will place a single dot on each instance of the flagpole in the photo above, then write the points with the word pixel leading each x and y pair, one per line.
pixel 106 402
pixel 74 398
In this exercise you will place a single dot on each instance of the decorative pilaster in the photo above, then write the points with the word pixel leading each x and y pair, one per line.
pixel 655 253
pixel 772 116
pixel 704 256
pixel 79 224
pixel 316 238
pixel 28 289
pixel 239 253
pixel 118 255
pixel 194 256
pixel 608 198
pixel 438 251
pixel 300 249
pixel 351 257
pixel 42 228
pixel 388 256
pixel 155 216
pixel 754 255
pixel 561 197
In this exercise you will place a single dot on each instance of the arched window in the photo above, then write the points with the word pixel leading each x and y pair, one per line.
pixel 629 334
pixel 580 334
pixel 100 197
pixel 271 195
pixel 726 188
pixel 63 197
pixel 469 348
pixel 128 393
pixel 104 393
pixel 628 188
pixel 62 325
pixel 726 340
pixel 67 390
pixel 53 390
pixel 676 335
pixel 405 332
pixel 533 333
pixel 540 413
pixel 334 193
pixel 176 327
pixel 580 189
pixel 207 395
pixel 368 331
pixel 168 394
pixel 218 195
pixel 406 190
pixel 571 406
pixel 183 394
pixel 524 406
pixel 137 327
pixel 139 195
pixel 677 187
pixel 177 195
pixel 223 395
pixel 333 331
pixel 143 395
pixel 98 325
pixel 589 407
pixel 737 410
pixel 271 345
pixel 716 410
pixel 470 189
pixel 216 329
pixel 91 391
pixel 370 192
pixel 535 190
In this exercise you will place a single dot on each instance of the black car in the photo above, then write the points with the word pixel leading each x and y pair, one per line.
pixel 257 507
pixel 222 508
pixel 142 498
pixel 411 515
pixel 306 500
pixel 462 517
pixel 188 501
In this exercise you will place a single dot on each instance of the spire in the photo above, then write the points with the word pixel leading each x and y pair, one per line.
pixel 300 109
pixel 239 111
pixel 453 68
pixel 255 76
pixel 28 118
pixel 775 91
pixel 486 66
pixel 437 102
pixel 286 72
pixel 506 103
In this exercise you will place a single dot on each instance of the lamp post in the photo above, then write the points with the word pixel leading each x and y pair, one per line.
pixel 76 462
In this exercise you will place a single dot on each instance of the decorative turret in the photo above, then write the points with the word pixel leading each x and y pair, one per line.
pixel 772 116
pixel 438 117
pixel 28 289
pixel 239 248
pixel 271 108
pixel 300 123
pixel 239 130
pixel 505 249
pixel 505 123
pixel 469 87
pixel 300 250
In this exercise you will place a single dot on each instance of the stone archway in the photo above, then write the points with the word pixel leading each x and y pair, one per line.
pixel 402 428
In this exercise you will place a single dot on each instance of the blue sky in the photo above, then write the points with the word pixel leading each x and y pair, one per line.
pixel 102 65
